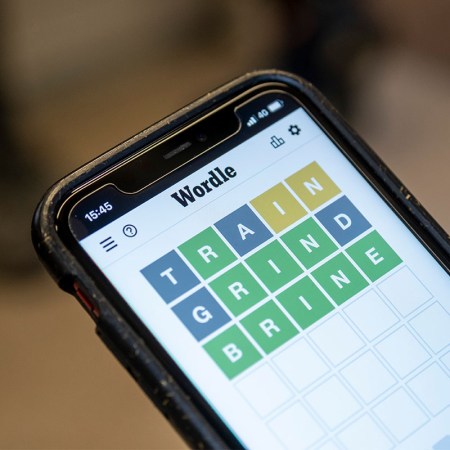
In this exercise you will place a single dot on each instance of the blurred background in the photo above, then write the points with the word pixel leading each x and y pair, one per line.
pixel 77 77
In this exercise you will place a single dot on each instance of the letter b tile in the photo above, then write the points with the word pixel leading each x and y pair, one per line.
pixel 343 220
pixel 232 351
pixel 201 314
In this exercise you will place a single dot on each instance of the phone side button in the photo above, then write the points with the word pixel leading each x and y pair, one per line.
pixel 86 302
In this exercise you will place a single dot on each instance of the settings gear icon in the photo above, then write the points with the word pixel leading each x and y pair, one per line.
pixel 294 130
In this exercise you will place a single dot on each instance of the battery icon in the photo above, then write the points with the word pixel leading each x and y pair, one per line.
pixel 275 105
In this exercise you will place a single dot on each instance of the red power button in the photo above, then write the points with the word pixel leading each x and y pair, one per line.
pixel 86 301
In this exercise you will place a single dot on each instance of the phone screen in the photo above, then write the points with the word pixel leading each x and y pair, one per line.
pixel 292 296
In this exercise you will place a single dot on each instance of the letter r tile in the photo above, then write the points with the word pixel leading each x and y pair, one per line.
pixel 238 289
pixel 201 314
pixel 170 276
pixel 207 252
pixel 269 326
pixel 343 220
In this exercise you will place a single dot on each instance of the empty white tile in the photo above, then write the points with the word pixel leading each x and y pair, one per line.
pixel 371 315
pixel 446 360
pixel 295 428
pixel 301 364
pixel 432 387
pixel 365 434
pixel 402 351
pixel 264 401
pixel 405 291
pixel 433 326
pixel 330 445
pixel 400 414
pixel 368 377
pixel 336 339
pixel 333 402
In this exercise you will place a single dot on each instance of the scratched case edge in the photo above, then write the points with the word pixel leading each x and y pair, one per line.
pixel 118 335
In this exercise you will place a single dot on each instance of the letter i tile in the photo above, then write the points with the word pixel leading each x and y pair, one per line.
pixel 278 207
pixel 243 230
pixel 274 266
pixel 305 302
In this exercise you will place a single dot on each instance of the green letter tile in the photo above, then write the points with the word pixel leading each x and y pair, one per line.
pixel 309 243
pixel 232 351
pixel 274 266
pixel 269 326
pixel 373 254
pixel 340 278
pixel 238 289
pixel 207 252
pixel 305 302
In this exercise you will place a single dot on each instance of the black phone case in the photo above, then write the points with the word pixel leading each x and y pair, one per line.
pixel 117 334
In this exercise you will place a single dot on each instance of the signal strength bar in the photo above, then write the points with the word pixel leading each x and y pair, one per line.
pixel 252 121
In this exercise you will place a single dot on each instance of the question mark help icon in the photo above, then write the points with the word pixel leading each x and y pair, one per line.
pixel 129 230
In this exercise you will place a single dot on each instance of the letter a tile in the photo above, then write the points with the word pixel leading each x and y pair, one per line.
pixel 243 230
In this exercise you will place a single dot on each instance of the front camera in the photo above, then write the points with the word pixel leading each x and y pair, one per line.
pixel 201 137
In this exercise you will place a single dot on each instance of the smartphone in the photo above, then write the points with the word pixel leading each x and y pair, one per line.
pixel 263 276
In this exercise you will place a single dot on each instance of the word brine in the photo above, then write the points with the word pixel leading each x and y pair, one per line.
pixel 255 279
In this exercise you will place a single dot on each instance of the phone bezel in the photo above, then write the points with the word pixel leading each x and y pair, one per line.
pixel 396 196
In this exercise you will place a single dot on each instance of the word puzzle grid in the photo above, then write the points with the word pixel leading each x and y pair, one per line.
pixel 294 258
